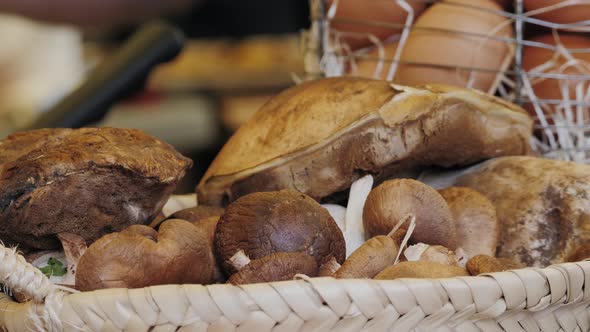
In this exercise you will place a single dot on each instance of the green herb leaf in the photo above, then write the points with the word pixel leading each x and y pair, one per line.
pixel 54 268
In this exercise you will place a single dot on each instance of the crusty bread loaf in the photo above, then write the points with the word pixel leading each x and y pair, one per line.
pixel 87 181
pixel 320 136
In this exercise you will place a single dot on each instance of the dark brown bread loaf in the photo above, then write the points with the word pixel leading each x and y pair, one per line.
pixel 87 181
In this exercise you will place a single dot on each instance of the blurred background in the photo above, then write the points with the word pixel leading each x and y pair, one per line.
pixel 240 53
pixel 237 54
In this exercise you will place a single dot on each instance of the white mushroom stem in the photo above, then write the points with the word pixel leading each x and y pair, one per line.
pixel 239 260
pixel 411 219
pixel 179 202
pixel 413 253
pixel 74 247
pixel 338 213
pixel 354 231
pixel 328 268
pixel 432 253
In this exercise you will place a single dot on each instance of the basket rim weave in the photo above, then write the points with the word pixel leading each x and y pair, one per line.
pixel 554 298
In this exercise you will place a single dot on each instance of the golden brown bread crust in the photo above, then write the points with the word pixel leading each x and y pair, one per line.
pixel 87 181
pixel 543 206
pixel 320 136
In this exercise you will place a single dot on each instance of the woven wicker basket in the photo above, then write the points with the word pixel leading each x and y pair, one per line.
pixel 551 299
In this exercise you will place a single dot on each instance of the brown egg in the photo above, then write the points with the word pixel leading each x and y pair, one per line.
pixel 568 14
pixel 367 65
pixel 549 88
pixel 453 49
pixel 504 3
pixel 385 11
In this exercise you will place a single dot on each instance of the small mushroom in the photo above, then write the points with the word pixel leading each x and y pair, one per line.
pixel 74 247
pixel 510 264
pixel 277 266
pixel 328 268
pixel 160 217
pixel 284 221
pixel 193 214
pixel 427 253
pixel 197 213
pixel 421 269
pixel 388 203
pixel 179 202
pixel 372 257
pixel 579 254
pixel 208 226
pixel 475 218
pixel 484 264
pixel 354 229
pixel 179 253
pixel 338 213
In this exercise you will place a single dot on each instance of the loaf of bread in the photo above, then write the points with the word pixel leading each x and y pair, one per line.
pixel 87 181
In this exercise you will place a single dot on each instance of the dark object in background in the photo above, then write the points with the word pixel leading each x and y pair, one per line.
pixel 231 18
pixel 237 19
pixel 123 74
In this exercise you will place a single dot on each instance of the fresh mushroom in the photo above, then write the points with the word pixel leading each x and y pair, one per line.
pixel 193 214
pixel 74 247
pixel 179 253
pixel 197 213
pixel 421 269
pixel 511 264
pixel 579 254
pixel 160 217
pixel 354 229
pixel 368 260
pixel 388 203
pixel 277 266
pixel 208 226
pixel 484 264
pixel 475 218
pixel 427 253
pixel 329 268
pixel 284 221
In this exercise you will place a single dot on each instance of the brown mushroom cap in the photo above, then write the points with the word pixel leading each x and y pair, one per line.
pixel 510 264
pixel 579 254
pixel 328 268
pixel 285 221
pixel 192 215
pixel 316 136
pixel 484 264
pixel 421 269
pixel 391 201
pixel 278 266
pixel 428 253
pixel 475 218
pixel 139 256
pixel 197 213
pixel 208 226
pixel 368 260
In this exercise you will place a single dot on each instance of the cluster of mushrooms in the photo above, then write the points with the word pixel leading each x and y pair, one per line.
pixel 400 229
